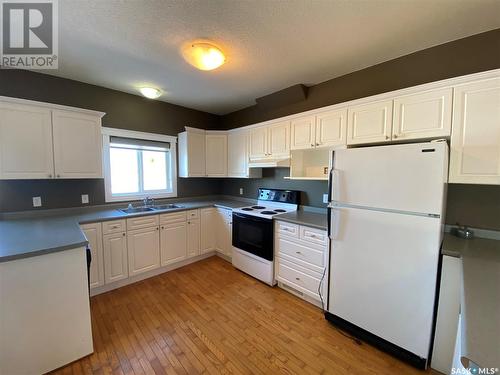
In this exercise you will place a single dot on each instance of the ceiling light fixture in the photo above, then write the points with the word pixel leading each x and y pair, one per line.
pixel 150 92
pixel 204 56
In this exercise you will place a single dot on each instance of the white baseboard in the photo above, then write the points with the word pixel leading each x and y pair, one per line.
pixel 147 275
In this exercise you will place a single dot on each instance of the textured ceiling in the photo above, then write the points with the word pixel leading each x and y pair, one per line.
pixel 269 45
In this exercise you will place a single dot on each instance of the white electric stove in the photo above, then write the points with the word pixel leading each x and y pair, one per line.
pixel 253 232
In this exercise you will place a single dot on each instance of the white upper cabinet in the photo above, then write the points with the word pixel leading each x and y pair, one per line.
pixel 475 139
pixel 216 154
pixel 237 154
pixel 331 128
pixel 279 140
pixel 40 142
pixel 303 133
pixel 77 145
pixel 259 143
pixel 271 141
pixel 192 153
pixel 369 123
pixel 25 142
pixel 423 115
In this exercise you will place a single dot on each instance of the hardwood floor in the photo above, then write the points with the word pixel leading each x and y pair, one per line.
pixel 210 318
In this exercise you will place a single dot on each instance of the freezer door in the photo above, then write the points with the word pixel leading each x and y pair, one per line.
pixel 383 274
pixel 408 177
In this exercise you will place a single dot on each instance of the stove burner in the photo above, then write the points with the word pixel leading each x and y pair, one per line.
pixel 258 207
pixel 268 212
pixel 279 210
pixel 247 209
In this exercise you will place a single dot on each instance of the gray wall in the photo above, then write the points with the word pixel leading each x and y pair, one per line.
pixel 312 191
pixel 123 110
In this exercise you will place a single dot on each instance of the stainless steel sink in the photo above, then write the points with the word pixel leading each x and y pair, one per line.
pixel 135 210
pixel 167 206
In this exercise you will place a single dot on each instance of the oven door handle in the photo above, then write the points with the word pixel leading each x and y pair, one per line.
pixel 258 220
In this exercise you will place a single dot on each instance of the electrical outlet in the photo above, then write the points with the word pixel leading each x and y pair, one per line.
pixel 325 198
pixel 241 191
pixel 37 201
pixel 85 198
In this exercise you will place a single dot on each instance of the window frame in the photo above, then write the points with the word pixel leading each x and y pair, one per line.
pixel 107 133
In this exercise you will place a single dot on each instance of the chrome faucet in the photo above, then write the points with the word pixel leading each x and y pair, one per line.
pixel 148 201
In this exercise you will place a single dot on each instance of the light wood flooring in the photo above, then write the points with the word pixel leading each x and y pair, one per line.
pixel 208 317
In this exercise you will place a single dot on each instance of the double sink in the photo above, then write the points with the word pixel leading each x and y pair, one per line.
pixel 161 207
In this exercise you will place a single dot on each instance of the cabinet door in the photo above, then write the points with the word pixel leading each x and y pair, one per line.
pixel 208 229
pixel 77 145
pixel 237 154
pixel 193 238
pixel 303 133
pixel 279 140
pixel 143 250
pixel 25 142
pixel 115 257
pixel 331 128
pixel 93 232
pixel 196 154
pixel 216 155
pixel 258 143
pixel 173 239
pixel 424 115
pixel 369 123
pixel 228 233
pixel 220 243
pixel 475 138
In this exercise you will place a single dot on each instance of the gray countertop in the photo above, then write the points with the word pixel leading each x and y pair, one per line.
pixel 480 302
pixel 25 235
pixel 308 218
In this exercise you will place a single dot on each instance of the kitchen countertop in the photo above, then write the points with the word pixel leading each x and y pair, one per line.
pixel 307 218
pixel 480 304
pixel 25 235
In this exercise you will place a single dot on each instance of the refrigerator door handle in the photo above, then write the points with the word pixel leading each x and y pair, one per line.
pixel 329 221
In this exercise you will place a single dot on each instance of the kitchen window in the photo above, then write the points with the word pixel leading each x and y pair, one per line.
pixel 139 165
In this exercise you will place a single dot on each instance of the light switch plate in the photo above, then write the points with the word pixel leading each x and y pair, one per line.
pixel 325 198
pixel 85 198
pixel 37 201
pixel 241 191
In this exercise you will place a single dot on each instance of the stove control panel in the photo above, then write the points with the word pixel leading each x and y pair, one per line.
pixel 278 195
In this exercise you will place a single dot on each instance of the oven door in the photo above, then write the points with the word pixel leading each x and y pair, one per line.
pixel 254 235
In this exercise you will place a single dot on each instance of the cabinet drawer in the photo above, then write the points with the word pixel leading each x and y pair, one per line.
pixel 313 235
pixel 193 214
pixel 114 226
pixel 174 217
pixel 301 253
pixel 142 222
pixel 288 229
pixel 290 274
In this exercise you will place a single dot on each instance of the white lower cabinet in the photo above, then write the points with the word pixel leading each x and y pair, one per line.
pixel 143 250
pixel 224 227
pixel 173 239
pixel 193 238
pixel 301 261
pixel 208 229
pixel 93 232
pixel 115 257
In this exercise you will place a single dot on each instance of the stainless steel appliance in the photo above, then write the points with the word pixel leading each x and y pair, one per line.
pixel 253 233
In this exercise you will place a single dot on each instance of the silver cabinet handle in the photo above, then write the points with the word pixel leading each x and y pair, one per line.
pixel 317 144
pixel 297 278
pixel 298 252
pixel 395 135
pixel 312 144
pixel 50 175
pixel 58 176
pixel 386 137
pixel 123 234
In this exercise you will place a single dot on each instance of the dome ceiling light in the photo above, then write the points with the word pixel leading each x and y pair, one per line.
pixel 150 92
pixel 203 56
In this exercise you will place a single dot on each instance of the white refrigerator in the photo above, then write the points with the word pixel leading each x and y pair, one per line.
pixel 385 224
